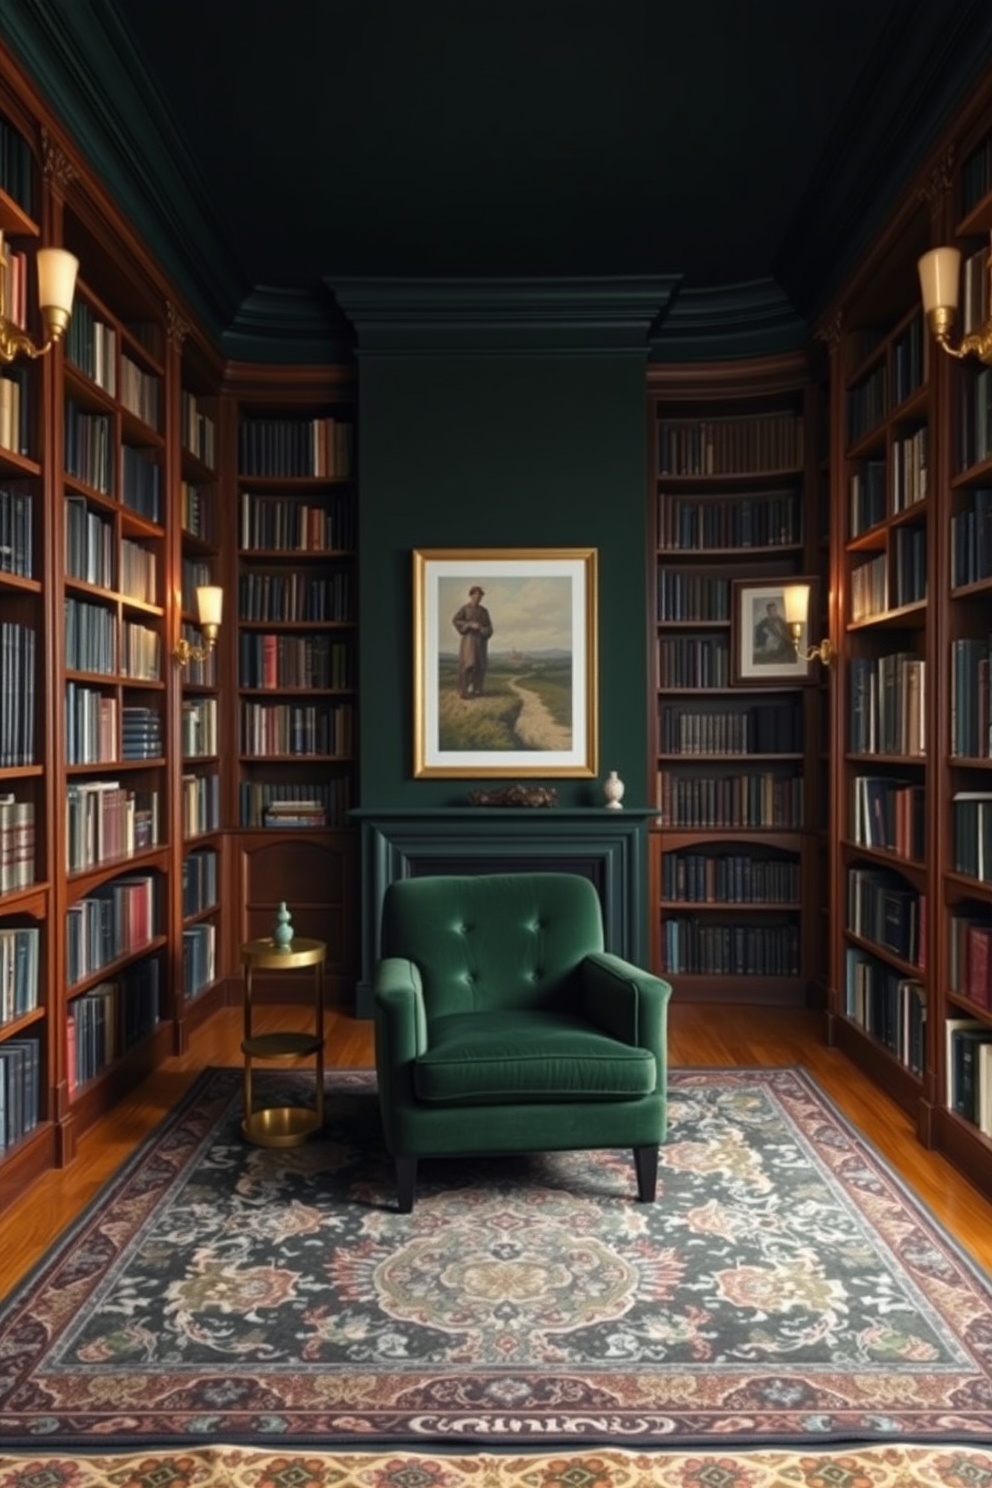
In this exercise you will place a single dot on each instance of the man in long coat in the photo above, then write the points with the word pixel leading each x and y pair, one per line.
pixel 473 624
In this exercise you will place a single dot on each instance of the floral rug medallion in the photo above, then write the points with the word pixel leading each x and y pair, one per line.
pixel 784 1287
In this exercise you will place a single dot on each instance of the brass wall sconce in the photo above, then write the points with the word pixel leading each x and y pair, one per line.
pixel 939 281
pixel 57 271
pixel 795 600
pixel 209 607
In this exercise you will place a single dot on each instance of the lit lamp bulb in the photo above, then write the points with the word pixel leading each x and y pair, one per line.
pixel 795 602
pixel 939 278
pixel 209 608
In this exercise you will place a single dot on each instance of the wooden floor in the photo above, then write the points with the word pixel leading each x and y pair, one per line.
pixel 699 1036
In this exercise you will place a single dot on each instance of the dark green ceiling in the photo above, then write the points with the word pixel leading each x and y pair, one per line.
pixel 267 149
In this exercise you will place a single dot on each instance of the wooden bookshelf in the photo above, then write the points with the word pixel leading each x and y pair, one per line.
pixel 736 725
pixel 294 653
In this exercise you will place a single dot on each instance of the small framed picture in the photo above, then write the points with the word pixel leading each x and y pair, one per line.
pixel 764 647
pixel 504 664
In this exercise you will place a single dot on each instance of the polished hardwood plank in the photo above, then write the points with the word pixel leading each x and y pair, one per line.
pixel 699 1036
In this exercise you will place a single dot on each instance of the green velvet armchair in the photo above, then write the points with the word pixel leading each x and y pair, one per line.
pixel 502 1026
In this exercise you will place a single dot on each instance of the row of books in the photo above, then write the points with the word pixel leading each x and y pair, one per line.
pixel 693 661
pixel 910 361
pixel 16 167
pixel 15 412
pixel 297 728
pixel 20 1089
pixel 141 483
pixel 141 733
pixel 752 800
pixel 199 727
pixel 88 450
pixel 141 652
pixel 883 908
pixel 193 572
pixel 975 424
pixel 105 820
pixel 91 346
pixel 743 445
pixel 199 881
pixel 970 956
pixel 890 814
pixel 729 878
pixel 972 817
pixel 760 728
pixel 19 947
pixel 139 572
pixel 971 708
pixel 867 402
pixel 17 843
pixel 969 1071
pixel 17 694
pixel 140 392
pixel 104 1023
pixel 321 447
pixel 114 920
pixel 198 429
pixel 199 958
pixel 200 804
pixel 91 724
pixel 90 636
pixel 17 532
pixel 910 466
pixel 282 524
pixel 691 596
pixel 305 813
pixel 295 596
pixel 769 519
pixel 700 948
pixel 888 704
pixel 868 496
pixel 890 1006
pixel 257 798
pixel 971 539
pixel 315 661
pixel 196 510
pixel 89 543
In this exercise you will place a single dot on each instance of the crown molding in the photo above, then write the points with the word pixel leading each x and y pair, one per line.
pixel 289 326
pixel 420 316
pixel 728 323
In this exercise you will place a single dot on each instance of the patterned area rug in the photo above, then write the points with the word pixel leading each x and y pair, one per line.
pixel 243 1467
pixel 784 1290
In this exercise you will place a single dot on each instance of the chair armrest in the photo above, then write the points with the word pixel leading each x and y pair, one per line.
pixel 626 1002
pixel 400 1019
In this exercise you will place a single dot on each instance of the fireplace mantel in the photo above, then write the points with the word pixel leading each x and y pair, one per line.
pixel 607 847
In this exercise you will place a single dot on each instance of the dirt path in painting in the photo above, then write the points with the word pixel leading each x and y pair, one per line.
pixel 535 727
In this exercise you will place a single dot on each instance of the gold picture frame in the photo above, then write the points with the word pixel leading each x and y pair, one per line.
pixel 505 681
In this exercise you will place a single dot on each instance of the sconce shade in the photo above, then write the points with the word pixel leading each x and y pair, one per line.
pixel 939 278
pixel 57 271
pixel 209 603
pixel 795 597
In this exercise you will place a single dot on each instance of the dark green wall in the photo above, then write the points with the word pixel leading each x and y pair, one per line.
pixel 502 450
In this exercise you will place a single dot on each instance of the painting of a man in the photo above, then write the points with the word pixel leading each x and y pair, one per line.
pixel 473 624
pixel 772 638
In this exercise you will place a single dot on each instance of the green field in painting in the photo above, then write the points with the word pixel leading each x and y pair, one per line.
pixel 488 723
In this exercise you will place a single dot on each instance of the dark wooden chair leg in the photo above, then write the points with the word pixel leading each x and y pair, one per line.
pixel 646 1164
pixel 406 1182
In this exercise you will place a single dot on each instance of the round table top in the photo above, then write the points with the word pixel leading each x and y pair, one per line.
pixel 265 955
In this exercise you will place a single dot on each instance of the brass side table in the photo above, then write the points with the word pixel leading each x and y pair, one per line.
pixel 283 1126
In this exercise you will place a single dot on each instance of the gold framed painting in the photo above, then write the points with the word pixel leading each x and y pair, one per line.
pixel 505 665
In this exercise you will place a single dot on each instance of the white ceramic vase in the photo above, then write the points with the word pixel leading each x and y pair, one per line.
pixel 613 789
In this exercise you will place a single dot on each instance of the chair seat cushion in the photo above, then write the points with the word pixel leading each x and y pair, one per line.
pixel 504 1058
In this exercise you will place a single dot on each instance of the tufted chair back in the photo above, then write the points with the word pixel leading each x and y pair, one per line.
pixel 493 942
